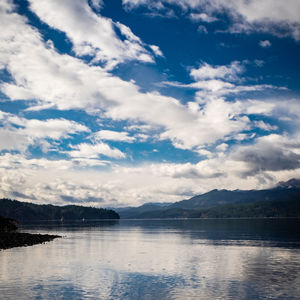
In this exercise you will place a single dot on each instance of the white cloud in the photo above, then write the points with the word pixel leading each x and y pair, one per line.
pixel 258 165
pixel 265 126
pixel 142 137
pixel 113 136
pixel 91 34
pixel 268 10
pixel 265 44
pixel 156 50
pixel 97 4
pixel 52 128
pixel 206 71
pixel 259 107
pixel 85 150
pixel 213 85
pixel 63 82
pixel 277 17
pixel 45 181
pixel 204 152
pixel 140 127
pixel 222 147
pixel 202 17
pixel 217 82
pixel 216 120
pixel 18 133
pixel 13 140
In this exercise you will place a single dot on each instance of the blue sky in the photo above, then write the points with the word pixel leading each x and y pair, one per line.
pixel 112 103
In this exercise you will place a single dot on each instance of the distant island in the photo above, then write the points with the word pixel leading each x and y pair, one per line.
pixel 280 202
pixel 27 212
pixel 9 237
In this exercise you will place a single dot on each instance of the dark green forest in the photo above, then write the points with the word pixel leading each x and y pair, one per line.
pixel 24 211
pixel 265 209
pixel 7 225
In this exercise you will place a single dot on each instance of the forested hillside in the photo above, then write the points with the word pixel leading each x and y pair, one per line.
pixel 24 211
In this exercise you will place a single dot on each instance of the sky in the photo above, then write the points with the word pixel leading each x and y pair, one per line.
pixel 122 102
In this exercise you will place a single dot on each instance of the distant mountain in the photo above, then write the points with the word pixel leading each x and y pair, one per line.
pixel 288 208
pixel 24 211
pixel 277 202
pixel 222 197
pixel 129 212
pixel 292 183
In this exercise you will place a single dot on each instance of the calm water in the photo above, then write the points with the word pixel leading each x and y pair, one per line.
pixel 157 259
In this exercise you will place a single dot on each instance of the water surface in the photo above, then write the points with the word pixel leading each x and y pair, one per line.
pixel 157 259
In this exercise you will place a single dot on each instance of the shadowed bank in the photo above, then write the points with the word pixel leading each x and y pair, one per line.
pixel 9 237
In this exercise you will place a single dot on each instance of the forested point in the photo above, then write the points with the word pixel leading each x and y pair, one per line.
pixel 25 211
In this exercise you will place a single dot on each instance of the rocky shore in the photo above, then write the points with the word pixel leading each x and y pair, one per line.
pixel 9 237
pixel 19 239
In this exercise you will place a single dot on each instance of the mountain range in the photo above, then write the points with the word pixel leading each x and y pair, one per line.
pixel 281 201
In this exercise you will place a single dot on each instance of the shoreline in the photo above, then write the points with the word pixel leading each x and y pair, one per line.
pixel 21 239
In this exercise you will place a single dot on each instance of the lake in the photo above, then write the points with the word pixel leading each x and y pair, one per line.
pixel 157 259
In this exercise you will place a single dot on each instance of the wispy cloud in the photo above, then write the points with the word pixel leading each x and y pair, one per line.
pixel 272 16
pixel 265 44
pixel 202 17
pixel 206 71
pixel 20 133
pixel 90 33
pixel 86 150
pixel 113 136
